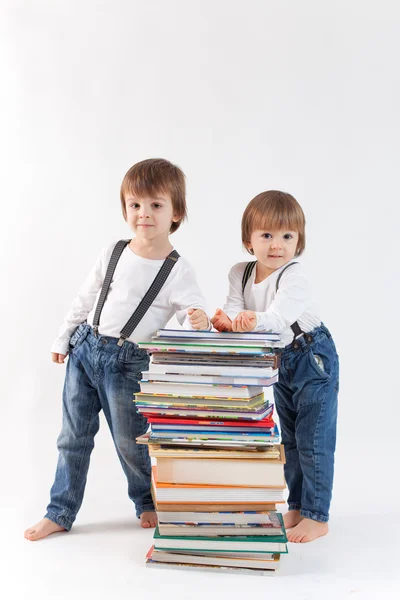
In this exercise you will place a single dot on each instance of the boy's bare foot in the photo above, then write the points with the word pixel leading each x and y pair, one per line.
pixel 42 529
pixel 148 519
pixel 292 518
pixel 307 531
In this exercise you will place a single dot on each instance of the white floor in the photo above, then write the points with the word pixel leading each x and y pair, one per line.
pixel 104 554
pixel 104 558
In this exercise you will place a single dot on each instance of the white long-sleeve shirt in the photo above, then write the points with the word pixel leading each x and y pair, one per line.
pixel 132 278
pixel 275 311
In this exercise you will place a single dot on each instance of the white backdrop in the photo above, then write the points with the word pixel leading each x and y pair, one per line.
pixel 299 96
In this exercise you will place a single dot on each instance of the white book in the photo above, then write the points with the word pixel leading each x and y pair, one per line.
pixel 238 518
pixel 214 370
pixel 217 335
pixel 200 389
pixel 216 379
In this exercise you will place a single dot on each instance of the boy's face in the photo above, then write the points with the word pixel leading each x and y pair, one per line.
pixel 150 218
pixel 273 249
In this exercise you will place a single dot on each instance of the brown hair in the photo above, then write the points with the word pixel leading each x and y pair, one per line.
pixel 275 211
pixel 154 176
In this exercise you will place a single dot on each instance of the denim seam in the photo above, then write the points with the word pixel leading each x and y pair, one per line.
pixel 315 516
pixel 317 469
pixel 59 520
pixel 71 495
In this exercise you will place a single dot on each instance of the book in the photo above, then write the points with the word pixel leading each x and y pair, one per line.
pixel 268 359
pixel 275 544
pixel 219 335
pixel 206 348
pixel 263 517
pixel 235 471
pixel 213 494
pixel 204 401
pixel 159 451
pixel 205 389
pixel 203 341
pixel 218 413
pixel 221 524
pixel 254 438
pixel 209 530
pixel 215 370
pixel 215 426
pixel 255 561
pixel 210 507
pixel 163 422
pixel 156 376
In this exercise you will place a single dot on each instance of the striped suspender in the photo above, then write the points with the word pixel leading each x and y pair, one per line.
pixel 147 299
pixel 115 256
pixel 247 273
pixel 295 327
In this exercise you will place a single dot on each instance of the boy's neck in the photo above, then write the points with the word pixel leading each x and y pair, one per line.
pixel 152 249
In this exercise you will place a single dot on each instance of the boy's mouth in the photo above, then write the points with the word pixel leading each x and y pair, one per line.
pixel 274 256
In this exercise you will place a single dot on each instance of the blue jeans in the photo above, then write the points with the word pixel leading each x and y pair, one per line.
pixel 306 402
pixel 100 375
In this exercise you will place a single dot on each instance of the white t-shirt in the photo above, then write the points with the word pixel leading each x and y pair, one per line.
pixel 275 311
pixel 132 278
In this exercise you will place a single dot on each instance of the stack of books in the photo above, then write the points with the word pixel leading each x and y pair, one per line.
pixel 219 472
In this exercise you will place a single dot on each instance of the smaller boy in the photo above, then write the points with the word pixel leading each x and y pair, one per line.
pixel 146 277
pixel 273 294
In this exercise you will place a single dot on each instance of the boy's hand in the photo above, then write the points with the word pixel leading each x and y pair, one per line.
pixel 198 318
pixel 245 321
pixel 58 358
pixel 221 321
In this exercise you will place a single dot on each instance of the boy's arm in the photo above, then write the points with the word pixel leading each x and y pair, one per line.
pixel 81 305
pixel 291 300
pixel 186 296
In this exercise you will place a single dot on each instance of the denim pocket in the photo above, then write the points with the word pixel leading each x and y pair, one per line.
pixel 319 364
pixel 78 336
pixel 132 361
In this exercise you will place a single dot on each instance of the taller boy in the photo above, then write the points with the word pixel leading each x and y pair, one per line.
pixel 105 364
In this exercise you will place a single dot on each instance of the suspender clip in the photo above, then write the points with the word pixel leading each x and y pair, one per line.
pixel 95 331
pixel 121 341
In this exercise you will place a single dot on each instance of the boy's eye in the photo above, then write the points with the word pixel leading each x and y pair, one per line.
pixel 156 205
pixel 134 205
pixel 266 235
pixel 288 236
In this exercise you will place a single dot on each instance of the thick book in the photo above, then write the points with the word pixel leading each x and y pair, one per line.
pixel 275 544
pixel 205 389
pixel 268 452
pixel 215 370
pixel 219 335
pixel 209 530
pixel 214 471
pixel 210 507
pixel 272 525
pixel 237 561
pixel 214 379
pixel 175 493
pixel 270 518
pixel 164 357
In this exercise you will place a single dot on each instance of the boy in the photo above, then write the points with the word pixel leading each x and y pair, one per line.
pixel 272 294
pixel 105 364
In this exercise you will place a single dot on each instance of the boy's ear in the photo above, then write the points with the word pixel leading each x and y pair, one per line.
pixel 175 218
pixel 249 247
